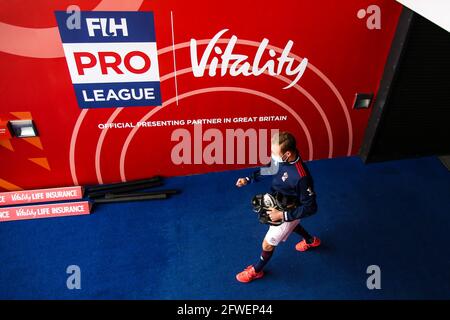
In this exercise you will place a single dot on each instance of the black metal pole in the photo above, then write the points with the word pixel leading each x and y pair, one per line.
pixel 138 194
pixel 98 194
pixel 125 199
pixel 122 184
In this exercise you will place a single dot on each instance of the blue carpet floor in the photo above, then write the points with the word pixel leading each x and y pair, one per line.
pixel 395 215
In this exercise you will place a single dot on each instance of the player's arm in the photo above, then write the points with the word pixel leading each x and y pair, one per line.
pixel 307 198
pixel 255 176
pixel 244 181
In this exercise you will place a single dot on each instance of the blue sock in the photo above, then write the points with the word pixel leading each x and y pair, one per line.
pixel 265 257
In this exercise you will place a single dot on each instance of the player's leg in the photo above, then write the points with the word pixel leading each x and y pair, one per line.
pixel 253 272
pixel 274 236
pixel 303 233
pixel 308 240
pixel 266 254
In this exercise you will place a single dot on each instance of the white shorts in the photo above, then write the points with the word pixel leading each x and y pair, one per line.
pixel 276 234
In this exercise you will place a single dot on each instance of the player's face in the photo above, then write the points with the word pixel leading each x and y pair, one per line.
pixel 277 154
pixel 276 150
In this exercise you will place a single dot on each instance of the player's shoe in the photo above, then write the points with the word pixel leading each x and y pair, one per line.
pixel 249 274
pixel 303 245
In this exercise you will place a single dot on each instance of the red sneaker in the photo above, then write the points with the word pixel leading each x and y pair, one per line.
pixel 249 274
pixel 303 246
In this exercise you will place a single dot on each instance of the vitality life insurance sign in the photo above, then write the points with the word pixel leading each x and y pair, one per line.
pixel 112 58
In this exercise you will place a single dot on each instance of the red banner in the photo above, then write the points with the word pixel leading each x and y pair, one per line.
pixel 44 211
pixel 41 195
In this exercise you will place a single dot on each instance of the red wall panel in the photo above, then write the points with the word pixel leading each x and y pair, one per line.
pixel 345 57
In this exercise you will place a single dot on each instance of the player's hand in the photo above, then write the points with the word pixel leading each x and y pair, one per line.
pixel 274 214
pixel 241 182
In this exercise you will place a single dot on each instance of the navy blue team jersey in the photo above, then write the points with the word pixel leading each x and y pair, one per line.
pixel 293 180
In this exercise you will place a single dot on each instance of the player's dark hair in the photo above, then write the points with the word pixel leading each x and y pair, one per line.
pixel 286 141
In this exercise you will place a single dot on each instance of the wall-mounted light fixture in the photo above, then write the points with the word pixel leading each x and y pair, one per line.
pixel 23 128
pixel 362 100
